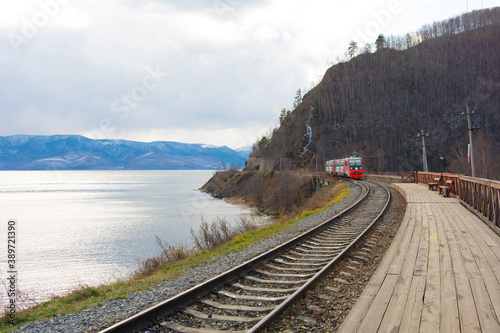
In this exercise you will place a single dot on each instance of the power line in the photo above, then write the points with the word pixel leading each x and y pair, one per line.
pixel 435 130
pixel 424 154
pixel 470 128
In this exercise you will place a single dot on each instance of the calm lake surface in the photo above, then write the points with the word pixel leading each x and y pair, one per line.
pixel 91 227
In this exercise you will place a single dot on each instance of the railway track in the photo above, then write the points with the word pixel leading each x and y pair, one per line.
pixel 248 297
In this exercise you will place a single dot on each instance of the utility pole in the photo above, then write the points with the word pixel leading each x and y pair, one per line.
pixel 470 128
pixel 424 155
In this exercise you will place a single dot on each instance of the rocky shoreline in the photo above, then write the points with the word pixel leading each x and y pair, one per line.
pixel 271 193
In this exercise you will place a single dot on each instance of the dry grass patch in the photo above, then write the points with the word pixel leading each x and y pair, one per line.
pixel 319 201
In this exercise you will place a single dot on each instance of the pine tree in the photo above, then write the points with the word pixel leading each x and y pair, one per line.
pixel 353 46
pixel 298 99
pixel 380 42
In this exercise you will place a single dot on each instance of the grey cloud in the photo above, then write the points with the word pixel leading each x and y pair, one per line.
pixel 226 67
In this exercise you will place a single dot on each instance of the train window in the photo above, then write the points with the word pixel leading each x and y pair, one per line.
pixel 355 163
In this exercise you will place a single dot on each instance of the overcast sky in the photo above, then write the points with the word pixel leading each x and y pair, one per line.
pixel 214 72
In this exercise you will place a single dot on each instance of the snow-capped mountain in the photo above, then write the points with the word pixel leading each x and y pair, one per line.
pixel 35 152
pixel 244 152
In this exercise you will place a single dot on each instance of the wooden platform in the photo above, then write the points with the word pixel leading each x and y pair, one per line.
pixel 441 274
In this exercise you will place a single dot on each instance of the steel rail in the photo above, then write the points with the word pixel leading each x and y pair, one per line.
pixel 143 319
pixel 304 288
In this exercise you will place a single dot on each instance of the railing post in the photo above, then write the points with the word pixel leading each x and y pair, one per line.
pixel 483 196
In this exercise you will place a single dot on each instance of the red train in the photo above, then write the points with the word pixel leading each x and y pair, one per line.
pixel 347 167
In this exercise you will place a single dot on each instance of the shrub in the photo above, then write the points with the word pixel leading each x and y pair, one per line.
pixel 210 236
pixel 169 254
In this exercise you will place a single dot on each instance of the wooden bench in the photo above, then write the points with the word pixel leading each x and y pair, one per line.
pixel 445 190
pixel 433 186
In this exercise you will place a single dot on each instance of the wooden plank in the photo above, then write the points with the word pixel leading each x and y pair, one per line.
pixel 411 233
pixel 414 304
pixel 469 321
pixel 410 193
pixel 468 315
pixel 412 312
pixel 464 242
pixel 483 238
pixel 442 276
pixel 485 265
pixel 487 317
pixel 419 193
pixel 392 317
pixel 430 320
pixel 375 314
pixel 423 248
pixel 491 238
pixel 395 309
pixel 449 316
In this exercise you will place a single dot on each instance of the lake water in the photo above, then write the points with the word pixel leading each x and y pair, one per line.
pixel 91 227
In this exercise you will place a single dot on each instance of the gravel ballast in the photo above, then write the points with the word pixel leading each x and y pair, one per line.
pixel 327 304
pixel 112 311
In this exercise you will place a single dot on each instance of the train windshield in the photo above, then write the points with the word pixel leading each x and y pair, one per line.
pixel 355 163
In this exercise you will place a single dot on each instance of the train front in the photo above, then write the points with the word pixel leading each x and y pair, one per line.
pixel 356 168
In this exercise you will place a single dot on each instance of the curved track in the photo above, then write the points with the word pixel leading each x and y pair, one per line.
pixel 248 297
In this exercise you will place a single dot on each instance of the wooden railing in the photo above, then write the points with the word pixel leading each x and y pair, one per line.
pixel 409 176
pixel 430 177
pixel 483 196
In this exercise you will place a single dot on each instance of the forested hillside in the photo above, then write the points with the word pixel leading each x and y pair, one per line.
pixel 376 103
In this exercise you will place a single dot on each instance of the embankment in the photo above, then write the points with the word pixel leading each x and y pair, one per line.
pixel 272 193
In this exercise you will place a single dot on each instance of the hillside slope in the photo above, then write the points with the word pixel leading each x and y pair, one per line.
pixel 376 103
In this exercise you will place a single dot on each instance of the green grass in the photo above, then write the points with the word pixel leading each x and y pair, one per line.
pixel 85 297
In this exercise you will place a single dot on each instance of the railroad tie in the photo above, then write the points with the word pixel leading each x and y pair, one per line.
pixel 230 307
pixel 179 328
pixel 252 298
pixel 255 279
pixel 295 269
pixel 216 317
pixel 268 290
pixel 304 276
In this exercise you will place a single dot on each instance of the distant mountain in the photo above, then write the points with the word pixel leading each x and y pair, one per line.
pixel 244 152
pixel 74 152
